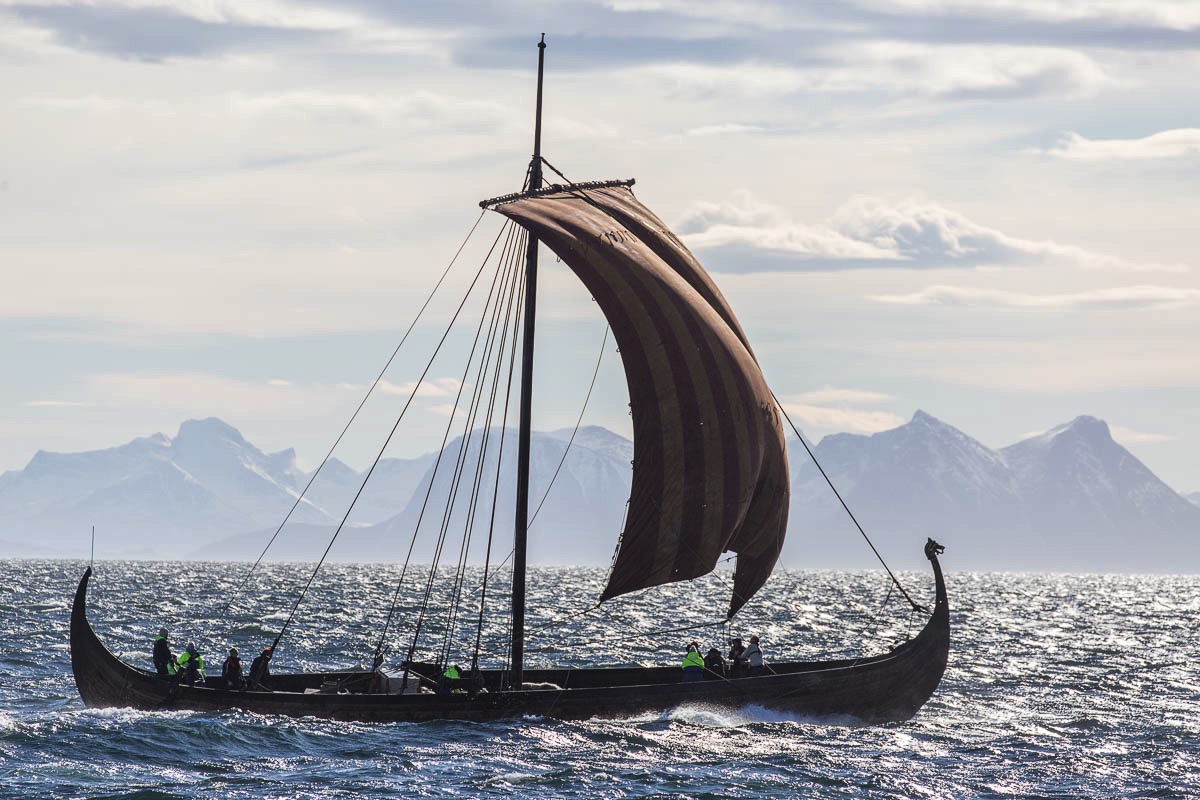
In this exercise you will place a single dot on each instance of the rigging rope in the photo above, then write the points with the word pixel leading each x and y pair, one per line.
pixel 386 442
pixel 353 416
pixel 437 552
pixel 578 422
pixel 470 429
pixel 509 250
pixel 512 360
pixel 915 605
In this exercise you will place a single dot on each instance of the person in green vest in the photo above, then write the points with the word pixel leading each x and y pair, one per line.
pixel 693 664
pixel 191 665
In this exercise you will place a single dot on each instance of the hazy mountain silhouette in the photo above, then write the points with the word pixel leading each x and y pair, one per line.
pixel 1068 499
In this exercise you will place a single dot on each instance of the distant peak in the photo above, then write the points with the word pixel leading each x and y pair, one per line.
pixel 921 418
pixel 211 427
pixel 1087 426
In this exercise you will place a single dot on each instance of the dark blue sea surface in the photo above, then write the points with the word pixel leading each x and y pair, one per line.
pixel 1059 686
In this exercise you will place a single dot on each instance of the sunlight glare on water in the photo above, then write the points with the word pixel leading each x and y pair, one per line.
pixel 1059 686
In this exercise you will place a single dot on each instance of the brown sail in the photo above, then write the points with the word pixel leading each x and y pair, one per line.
pixel 710 470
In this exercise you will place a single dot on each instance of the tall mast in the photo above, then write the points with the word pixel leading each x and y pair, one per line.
pixel 520 536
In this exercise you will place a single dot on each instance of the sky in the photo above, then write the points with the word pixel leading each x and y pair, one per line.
pixel 983 209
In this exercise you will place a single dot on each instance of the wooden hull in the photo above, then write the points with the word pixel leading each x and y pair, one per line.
pixel 885 688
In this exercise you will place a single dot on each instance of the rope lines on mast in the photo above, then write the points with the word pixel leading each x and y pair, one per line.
pixel 370 390
pixel 387 441
pixel 510 260
pixel 512 360
pixel 470 429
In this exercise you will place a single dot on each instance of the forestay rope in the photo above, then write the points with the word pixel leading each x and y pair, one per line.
pixel 895 581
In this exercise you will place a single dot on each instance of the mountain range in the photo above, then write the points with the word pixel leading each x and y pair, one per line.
pixel 1071 499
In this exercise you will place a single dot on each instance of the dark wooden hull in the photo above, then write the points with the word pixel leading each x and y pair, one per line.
pixel 884 688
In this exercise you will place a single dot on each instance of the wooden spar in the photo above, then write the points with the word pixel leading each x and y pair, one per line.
pixel 521 529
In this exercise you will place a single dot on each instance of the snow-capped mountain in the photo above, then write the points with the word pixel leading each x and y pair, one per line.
pixel 1068 499
pixel 1095 503
pixel 166 497
pixel 578 521
pixel 925 478
pixel 1071 498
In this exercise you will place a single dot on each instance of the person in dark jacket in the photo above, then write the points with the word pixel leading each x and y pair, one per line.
pixel 260 670
pixel 162 653
pixel 231 670
pixel 714 664
pixel 737 658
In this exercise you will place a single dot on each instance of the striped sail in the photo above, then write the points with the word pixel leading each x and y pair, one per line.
pixel 710 470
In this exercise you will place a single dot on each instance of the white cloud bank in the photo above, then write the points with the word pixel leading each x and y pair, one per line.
pixel 1121 298
pixel 1128 436
pixel 839 409
pixel 1170 14
pixel 1177 143
pixel 948 72
pixel 864 232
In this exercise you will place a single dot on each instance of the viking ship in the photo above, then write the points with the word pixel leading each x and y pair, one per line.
pixel 709 477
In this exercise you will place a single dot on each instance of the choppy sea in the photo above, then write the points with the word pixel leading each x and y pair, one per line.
pixel 1059 686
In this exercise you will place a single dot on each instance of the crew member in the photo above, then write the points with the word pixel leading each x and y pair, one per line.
pixel 162 653
pixel 191 664
pixel 231 670
pixel 754 656
pixel 450 679
pixel 260 670
pixel 693 664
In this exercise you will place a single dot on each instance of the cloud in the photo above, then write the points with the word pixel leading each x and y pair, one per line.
pixel 833 408
pixel 1123 298
pixel 1170 14
pixel 744 223
pixel 841 419
pixel 1177 143
pixel 192 394
pixel 437 387
pixel 102 104
pixel 724 129
pixel 748 235
pixel 829 395
pixel 421 110
pixel 947 72
pixel 1130 436
pixel 163 30
pixel 56 404
pixel 1074 360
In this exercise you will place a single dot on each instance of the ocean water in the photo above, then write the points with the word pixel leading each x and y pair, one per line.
pixel 1059 686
